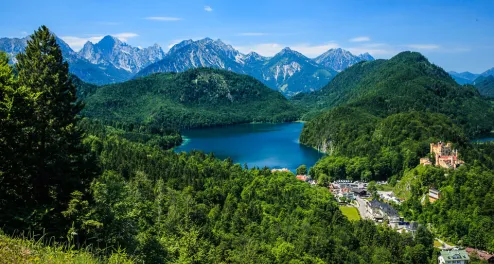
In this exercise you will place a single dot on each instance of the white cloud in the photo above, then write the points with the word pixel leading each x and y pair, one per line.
pixel 265 49
pixel 208 9
pixel 125 36
pixel 359 39
pixel 252 34
pixel 377 50
pixel 313 51
pixel 76 43
pixel 163 18
pixel 423 46
pixel 24 33
pixel 270 49
pixel 173 43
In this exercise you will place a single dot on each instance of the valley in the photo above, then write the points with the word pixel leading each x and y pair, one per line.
pixel 209 152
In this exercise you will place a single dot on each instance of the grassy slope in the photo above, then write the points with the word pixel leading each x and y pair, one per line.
pixel 17 250
pixel 350 212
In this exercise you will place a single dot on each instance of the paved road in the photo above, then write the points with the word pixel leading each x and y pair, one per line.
pixel 361 208
pixel 444 245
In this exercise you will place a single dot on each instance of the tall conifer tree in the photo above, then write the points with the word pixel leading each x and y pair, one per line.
pixel 55 163
pixel 16 131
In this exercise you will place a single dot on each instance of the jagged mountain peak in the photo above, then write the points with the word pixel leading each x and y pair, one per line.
pixel 253 56
pixel 112 51
pixel 289 52
pixel 340 59
pixel 488 72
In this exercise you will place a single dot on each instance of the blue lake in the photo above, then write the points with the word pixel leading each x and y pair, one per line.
pixel 258 145
pixel 482 140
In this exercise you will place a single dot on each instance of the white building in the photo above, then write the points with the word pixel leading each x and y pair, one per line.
pixel 453 256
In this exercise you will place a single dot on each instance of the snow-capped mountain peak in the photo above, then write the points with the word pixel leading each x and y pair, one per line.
pixel 112 51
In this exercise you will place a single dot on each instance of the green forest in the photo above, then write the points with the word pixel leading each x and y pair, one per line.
pixel 87 174
pixel 195 98
pixel 377 119
pixel 485 85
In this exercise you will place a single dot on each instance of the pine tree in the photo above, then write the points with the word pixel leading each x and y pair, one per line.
pixel 16 129
pixel 56 163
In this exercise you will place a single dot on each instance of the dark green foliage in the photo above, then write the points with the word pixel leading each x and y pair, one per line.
pixel 149 135
pixel 166 207
pixel 195 98
pixel 384 114
pixel 465 212
pixel 43 159
pixel 365 147
pixel 83 89
pixel 302 170
pixel 407 82
pixel 485 85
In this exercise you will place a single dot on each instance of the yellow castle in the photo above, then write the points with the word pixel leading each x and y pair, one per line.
pixel 445 156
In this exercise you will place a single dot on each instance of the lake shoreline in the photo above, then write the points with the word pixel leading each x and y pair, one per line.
pixel 274 145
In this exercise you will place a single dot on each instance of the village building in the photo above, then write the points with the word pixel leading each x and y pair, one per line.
pixel 483 255
pixel 434 195
pixel 453 256
pixel 445 156
pixel 302 178
pixel 380 211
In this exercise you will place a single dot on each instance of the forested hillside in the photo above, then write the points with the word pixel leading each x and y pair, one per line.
pixel 377 119
pixel 465 213
pixel 385 113
pixel 485 85
pixel 195 98
pixel 406 82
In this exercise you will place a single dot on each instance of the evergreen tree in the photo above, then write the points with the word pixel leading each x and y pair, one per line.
pixel 15 131
pixel 302 170
pixel 54 160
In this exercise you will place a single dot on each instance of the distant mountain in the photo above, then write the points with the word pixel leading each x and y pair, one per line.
pixel 190 54
pixel 291 73
pixel 485 85
pixel 288 71
pixel 82 68
pixel 13 46
pixel 340 59
pixel 111 61
pixel 488 72
pixel 195 98
pixel 463 77
pixel 112 51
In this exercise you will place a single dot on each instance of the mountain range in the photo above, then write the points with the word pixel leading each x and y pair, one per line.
pixel 468 77
pixel 111 61
pixel 288 71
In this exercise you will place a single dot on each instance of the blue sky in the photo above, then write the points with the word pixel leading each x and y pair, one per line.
pixel 454 34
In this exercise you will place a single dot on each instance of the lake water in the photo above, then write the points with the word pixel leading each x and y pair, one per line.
pixel 258 145
pixel 482 140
